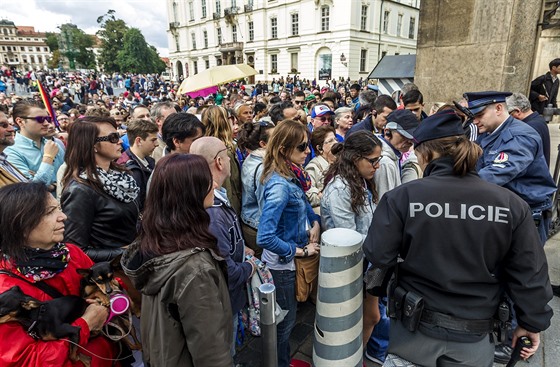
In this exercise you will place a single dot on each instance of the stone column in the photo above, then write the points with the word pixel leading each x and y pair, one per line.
pixel 476 45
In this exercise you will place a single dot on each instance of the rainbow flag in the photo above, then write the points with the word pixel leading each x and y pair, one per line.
pixel 48 105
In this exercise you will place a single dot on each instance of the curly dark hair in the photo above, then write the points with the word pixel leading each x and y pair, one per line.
pixel 357 145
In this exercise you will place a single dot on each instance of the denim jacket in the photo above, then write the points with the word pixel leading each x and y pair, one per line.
pixel 285 219
pixel 336 210
pixel 250 179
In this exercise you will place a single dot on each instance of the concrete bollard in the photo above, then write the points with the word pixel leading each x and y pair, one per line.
pixel 339 317
pixel 267 293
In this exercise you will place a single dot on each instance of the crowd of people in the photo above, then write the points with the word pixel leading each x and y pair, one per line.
pixel 453 206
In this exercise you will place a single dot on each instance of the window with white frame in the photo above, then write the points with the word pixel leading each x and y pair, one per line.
pixel 205 36
pixel 219 33
pixel 195 67
pixel 325 18
pixel 203 3
pixel 251 31
pixel 411 27
pixel 363 19
pixel 386 16
pixel 294 60
pixel 218 6
pixel 295 24
pixel 207 64
pixel 234 33
pixel 274 63
pixel 273 27
pixel 363 60
pixel 193 38
pixel 191 10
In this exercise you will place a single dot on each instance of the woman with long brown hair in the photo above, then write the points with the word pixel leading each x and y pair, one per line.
pixel 186 312
pixel 288 227
pixel 99 196
pixel 349 199
pixel 215 119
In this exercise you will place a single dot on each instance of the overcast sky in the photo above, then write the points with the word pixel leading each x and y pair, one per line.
pixel 149 16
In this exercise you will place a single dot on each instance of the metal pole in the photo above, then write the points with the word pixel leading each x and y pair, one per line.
pixel 339 316
pixel 267 300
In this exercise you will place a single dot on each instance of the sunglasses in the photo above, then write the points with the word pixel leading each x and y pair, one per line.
pixel 219 151
pixel 303 146
pixel 113 138
pixel 39 119
pixel 373 161
pixel 323 118
pixel 299 102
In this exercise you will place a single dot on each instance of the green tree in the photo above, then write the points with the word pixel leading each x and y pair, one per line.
pixel 52 41
pixel 77 46
pixel 54 60
pixel 137 56
pixel 111 34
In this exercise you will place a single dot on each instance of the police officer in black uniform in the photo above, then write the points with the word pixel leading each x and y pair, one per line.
pixel 462 241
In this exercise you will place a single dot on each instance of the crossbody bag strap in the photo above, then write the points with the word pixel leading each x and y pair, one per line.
pixel 41 285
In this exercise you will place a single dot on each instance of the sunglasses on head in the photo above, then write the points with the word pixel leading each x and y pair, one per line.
pixel 113 138
pixel 373 161
pixel 303 146
pixel 39 119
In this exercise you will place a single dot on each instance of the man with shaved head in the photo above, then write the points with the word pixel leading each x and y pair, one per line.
pixel 225 225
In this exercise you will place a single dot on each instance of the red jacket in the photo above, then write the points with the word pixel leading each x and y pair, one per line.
pixel 19 349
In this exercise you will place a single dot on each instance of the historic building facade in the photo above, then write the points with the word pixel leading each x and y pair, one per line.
pixel 22 48
pixel 320 39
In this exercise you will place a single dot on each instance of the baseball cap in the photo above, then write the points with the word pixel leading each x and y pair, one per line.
pixel 320 110
pixel 403 121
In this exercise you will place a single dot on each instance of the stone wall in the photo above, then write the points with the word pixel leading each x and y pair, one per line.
pixel 476 45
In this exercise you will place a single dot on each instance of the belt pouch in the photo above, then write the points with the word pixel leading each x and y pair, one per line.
pixel 412 310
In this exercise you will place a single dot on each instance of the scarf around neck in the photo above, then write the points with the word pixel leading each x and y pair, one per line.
pixel 42 264
pixel 301 175
pixel 119 185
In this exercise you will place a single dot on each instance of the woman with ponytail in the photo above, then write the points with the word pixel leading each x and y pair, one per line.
pixel 461 242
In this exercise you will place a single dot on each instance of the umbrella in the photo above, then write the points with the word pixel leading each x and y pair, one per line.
pixel 214 76
pixel 203 92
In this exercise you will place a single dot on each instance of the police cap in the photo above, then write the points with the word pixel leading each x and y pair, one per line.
pixel 439 125
pixel 479 100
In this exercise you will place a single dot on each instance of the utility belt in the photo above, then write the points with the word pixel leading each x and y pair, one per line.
pixel 408 307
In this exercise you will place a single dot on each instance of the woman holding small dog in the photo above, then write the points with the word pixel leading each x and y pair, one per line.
pixel 186 311
pixel 33 255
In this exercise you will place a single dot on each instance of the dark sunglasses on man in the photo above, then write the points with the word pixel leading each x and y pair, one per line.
pixel 39 119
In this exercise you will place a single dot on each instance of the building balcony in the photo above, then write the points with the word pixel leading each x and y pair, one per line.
pixel 231 46
pixel 173 25
pixel 248 8
pixel 231 10
pixel 216 15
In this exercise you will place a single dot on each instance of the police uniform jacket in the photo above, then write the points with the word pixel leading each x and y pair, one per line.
pixel 462 240
pixel 513 158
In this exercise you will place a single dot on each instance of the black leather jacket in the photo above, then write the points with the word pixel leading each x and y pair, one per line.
pixel 98 223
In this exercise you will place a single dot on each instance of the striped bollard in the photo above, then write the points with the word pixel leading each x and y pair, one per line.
pixel 339 317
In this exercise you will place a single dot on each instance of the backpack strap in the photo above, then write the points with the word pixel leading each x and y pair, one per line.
pixel 41 285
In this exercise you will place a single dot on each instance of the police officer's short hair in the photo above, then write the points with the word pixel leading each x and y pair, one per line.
pixel 555 62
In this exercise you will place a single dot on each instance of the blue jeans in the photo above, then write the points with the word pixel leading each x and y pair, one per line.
pixel 285 283
pixel 378 342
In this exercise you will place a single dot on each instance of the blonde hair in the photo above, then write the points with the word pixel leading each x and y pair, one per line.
pixel 215 119
pixel 286 136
